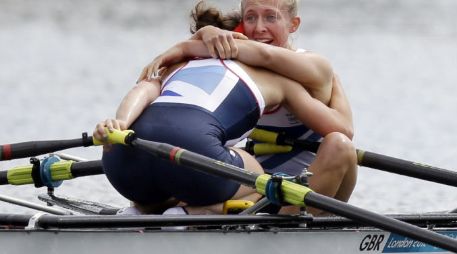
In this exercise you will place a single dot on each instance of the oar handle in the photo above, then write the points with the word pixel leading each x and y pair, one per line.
pixel 280 139
pixel 264 136
pixel 115 136
pixel 265 148
pixel 34 148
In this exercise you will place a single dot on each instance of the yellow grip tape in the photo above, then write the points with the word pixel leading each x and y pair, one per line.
pixel 114 137
pixel 61 170
pixel 20 175
pixel 263 148
pixel 294 193
pixel 236 206
pixel 264 136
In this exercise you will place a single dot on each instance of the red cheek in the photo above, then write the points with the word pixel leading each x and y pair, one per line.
pixel 248 32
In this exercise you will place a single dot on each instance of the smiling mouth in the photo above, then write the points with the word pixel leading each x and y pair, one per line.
pixel 267 41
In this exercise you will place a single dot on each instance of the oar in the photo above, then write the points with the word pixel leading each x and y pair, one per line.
pixel 34 148
pixel 293 193
pixel 55 171
pixel 278 143
pixel 51 172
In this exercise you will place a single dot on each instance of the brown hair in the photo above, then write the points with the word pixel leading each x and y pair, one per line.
pixel 203 15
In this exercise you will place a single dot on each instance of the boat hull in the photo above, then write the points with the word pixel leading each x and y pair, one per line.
pixel 211 241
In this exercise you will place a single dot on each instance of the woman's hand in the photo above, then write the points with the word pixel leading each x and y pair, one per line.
pixel 220 43
pixel 154 69
pixel 108 124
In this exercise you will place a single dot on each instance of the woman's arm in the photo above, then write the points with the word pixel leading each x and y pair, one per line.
pixel 220 42
pixel 309 69
pixel 132 105
pixel 323 119
pixel 340 103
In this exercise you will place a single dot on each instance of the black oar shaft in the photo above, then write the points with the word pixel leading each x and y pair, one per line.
pixel 306 145
pixel 3 177
pixel 407 168
pixel 395 165
pixel 87 168
pixel 34 148
pixel 197 161
pixel 380 221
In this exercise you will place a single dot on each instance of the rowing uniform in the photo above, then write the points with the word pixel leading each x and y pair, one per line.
pixel 294 162
pixel 202 107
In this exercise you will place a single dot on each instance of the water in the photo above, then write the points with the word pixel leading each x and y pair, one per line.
pixel 65 65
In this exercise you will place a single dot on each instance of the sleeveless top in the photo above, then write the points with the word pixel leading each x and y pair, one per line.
pixel 226 92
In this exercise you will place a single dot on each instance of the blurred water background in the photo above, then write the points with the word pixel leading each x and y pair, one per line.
pixel 65 65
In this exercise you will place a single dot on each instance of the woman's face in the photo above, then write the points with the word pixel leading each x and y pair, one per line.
pixel 267 21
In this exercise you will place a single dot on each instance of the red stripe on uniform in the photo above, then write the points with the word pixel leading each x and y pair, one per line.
pixel 276 109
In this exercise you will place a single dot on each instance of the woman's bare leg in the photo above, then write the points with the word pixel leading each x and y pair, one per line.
pixel 334 169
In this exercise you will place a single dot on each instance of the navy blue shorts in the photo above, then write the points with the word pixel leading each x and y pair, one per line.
pixel 143 178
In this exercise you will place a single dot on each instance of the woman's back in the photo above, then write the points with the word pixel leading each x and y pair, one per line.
pixel 221 89
pixel 267 87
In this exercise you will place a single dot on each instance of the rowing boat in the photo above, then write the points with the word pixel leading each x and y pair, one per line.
pixel 43 233
pixel 356 231
pixel 260 233
pixel 210 241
